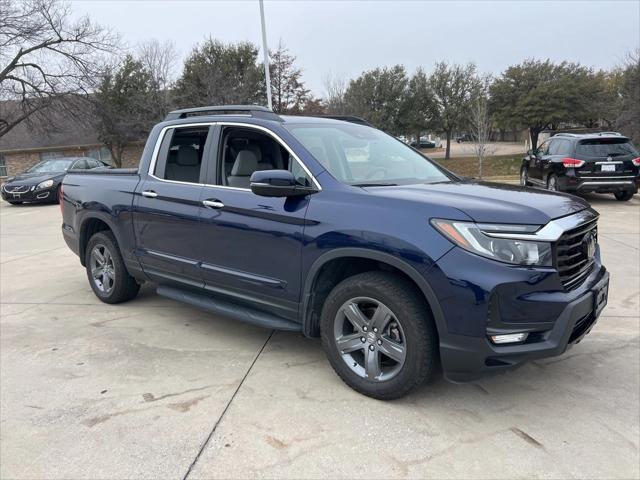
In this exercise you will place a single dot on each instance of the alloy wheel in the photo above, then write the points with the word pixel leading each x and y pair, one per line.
pixel 102 269
pixel 553 184
pixel 370 339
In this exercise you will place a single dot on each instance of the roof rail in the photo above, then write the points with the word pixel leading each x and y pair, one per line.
pixel 347 118
pixel 253 110
pixel 565 134
pixel 617 134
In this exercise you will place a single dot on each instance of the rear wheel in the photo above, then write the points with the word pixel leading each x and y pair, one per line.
pixel 624 196
pixel 552 183
pixel 378 335
pixel 106 272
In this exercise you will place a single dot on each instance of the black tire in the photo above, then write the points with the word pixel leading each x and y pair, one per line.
pixel 56 197
pixel 624 196
pixel 552 183
pixel 524 177
pixel 412 314
pixel 124 286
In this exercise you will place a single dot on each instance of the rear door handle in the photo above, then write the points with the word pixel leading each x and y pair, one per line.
pixel 213 203
pixel 149 194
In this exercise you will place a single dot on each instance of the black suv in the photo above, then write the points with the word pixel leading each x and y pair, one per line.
pixel 595 162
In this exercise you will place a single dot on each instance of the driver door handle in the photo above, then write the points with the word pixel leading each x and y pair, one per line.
pixel 149 194
pixel 213 203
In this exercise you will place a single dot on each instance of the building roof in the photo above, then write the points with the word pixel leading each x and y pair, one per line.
pixel 54 128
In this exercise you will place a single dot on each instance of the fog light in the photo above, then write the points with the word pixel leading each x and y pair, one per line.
pixel 509 338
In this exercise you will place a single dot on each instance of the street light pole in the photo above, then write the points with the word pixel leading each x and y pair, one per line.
pixel 265 50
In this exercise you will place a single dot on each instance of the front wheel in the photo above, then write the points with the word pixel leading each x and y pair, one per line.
pixel 524 177
pixel 623 196
pixel 108 277
pixel 552 183
pixel 378 335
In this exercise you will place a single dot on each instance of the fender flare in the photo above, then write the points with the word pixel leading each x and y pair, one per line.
pixel 94 215
pixel 383 257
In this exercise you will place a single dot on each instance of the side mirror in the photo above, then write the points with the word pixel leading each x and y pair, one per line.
pixel 277 183
pixel 532 152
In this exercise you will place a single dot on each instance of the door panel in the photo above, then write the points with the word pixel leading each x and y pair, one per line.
pixel 165 228
pixel 539 160
pixel 253 246
pixel 168 203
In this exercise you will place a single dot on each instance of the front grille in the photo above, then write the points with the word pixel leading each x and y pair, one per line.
pixel 16 189
pixel 572 259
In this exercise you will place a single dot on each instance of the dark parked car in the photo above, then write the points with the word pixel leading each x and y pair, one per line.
pixel 424 143
pixel 41 183
pixel 340 231
pixel 596 162
pixel 465 137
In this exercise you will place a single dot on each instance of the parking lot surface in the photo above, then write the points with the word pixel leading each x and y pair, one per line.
pixel 156 389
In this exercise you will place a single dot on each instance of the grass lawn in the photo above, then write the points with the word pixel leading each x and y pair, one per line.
pixel 496 166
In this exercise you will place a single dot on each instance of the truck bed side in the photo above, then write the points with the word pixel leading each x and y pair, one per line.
pixel 96 199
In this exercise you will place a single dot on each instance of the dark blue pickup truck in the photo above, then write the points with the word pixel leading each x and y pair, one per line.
pixel 337 230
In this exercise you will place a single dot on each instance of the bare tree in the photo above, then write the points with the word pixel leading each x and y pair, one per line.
pixel 481 123
pixel 159 60
pixel 335 87
pixel 45 56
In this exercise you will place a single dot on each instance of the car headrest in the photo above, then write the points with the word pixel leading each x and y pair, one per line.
pixel 246 163
pixel 256 151
pixel 187 156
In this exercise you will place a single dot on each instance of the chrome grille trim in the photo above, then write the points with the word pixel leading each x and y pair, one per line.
pixel 16 188
pixel 572 263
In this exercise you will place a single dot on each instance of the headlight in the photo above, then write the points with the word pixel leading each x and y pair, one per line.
pixel 484 240
pixel 45 184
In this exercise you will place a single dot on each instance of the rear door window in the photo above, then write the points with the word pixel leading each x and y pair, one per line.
pixel 181 154
pixel 560 146
pixel 606 147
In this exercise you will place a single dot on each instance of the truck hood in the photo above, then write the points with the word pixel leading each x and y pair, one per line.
pixel 489 202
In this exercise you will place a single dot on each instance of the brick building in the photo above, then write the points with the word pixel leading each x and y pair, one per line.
pixel 29 143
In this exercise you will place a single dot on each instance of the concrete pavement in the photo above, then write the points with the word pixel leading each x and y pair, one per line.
pixel 156 389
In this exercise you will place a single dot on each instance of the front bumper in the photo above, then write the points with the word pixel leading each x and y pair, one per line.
pixel 30 195
pixel 499 299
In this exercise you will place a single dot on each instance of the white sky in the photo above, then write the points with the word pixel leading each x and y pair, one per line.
pixel 347 37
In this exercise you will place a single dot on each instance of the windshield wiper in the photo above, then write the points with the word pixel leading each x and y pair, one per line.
pixel 374 184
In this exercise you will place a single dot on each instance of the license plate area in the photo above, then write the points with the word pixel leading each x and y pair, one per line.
pixel 16 195
pixel 607 168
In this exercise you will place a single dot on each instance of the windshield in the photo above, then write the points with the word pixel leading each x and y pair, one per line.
pixel 57 165
pixel 606 147
pixel 359 155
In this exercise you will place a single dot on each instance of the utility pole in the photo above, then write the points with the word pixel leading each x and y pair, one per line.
pixel 265 50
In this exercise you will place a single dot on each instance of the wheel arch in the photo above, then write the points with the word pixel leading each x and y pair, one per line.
pixel 310 314
pixel 91 225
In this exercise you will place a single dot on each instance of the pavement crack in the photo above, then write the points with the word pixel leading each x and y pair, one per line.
pixel 215 426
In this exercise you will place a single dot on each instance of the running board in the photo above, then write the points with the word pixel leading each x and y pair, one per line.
pixel 229 309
